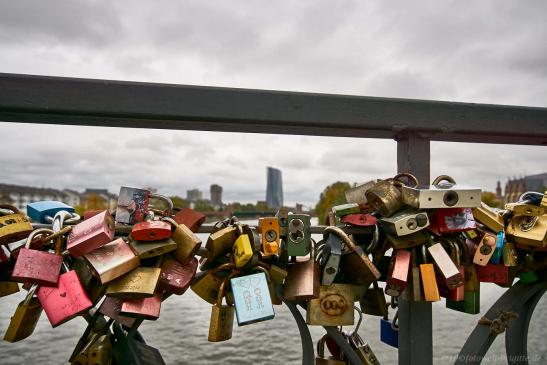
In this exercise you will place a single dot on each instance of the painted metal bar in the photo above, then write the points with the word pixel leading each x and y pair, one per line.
pixel 415 318
pixel 57 100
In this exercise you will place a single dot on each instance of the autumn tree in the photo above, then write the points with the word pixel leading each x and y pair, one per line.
pixel 331 196
pixel 490 199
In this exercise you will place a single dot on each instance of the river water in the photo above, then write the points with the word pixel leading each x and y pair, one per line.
pixel 181 335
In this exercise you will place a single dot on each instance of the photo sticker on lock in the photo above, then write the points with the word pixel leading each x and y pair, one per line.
pixel 132 205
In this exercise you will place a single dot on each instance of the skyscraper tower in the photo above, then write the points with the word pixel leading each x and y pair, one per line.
pixel 216 195
pixel 274 188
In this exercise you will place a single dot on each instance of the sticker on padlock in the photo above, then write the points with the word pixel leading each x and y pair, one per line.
pixel 132 205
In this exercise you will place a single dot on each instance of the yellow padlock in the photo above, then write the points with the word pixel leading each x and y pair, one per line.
pixel 243 251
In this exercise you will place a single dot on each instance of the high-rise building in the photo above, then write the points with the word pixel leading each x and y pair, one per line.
pixel 274 188
pixel 194 195
pixel 216 195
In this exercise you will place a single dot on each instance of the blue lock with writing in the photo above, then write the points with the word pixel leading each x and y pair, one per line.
pixel 389 333
pixel 38 211
pixel 252 298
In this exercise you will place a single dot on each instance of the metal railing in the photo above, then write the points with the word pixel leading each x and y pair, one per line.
pixel 412 123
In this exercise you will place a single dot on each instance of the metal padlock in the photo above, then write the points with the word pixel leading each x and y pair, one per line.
pixel 132 205
pixel 345 209
pixel 389 331
pixel 414 280
pixel 145 308
pixel 222 317
pixel 24 320
pixel 14 226
pixel 373 301
pixel 442 193
pixel 151 230
pixel 98 352
pixel 37 267
pixel 302 282
pixel 221 241
pixel 320 359
pixel 298 234
pixel 139 283
pixel 485 249
pixel 528 230
pixel 385 196
pixel 96 326
pixel 509 254
pixel 91 234
pixel 405 222
pixel 42 210
pixel 206 284
pixel 357 194
pixel 190 218
pixel 95 290
pixel 67 300
pixel 408 241
pixel 521 208
pixel 471 300
pixel 252 298
pixel 8 288
pixel 453 220
pixel 450 273
pixel 361 348
pixel 330 256
pixel 282 216
pixel 499 274
pixel 242 250
pixel 489 216
pixel 112 260
pixel 455 294
pixel 334 307
pixel 111 307
pixel 429 281
pixel 360 220
pixel 271 235
pixel 527 273
pixel 146 250
pixel 397 278
pixel 175 277
pixel 129 351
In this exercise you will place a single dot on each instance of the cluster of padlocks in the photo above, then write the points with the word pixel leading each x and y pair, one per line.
pixel 116 268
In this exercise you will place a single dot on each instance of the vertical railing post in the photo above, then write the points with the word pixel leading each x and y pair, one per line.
pixel 415 321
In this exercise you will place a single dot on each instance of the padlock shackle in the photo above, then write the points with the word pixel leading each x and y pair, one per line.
pixel 222 287
pixel 354 332
pixel 165 199
pixel 36 232
pixel 440 178
pixel 340 233
pixel 409 176
pixel 260 268
pixel 10 207
pixel 321 346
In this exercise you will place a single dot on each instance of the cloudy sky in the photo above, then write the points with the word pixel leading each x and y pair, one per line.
pixel 483 52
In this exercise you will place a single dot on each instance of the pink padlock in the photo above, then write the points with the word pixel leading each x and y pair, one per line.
pixel 147 308
pixel 90 234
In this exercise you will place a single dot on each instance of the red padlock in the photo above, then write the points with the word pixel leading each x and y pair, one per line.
pixel 68 299
pixel 151 231
pixel 111 307
pixel 37 267
pixel 452 220
pixel 190 218
pixel 362 220
pixel 90 234
pixel 175 278
pixel 146 308
pixel 398 273
pixel 499 274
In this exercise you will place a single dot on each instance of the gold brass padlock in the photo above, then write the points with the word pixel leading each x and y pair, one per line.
pixel 221 242
pixel 188 243
pixel 222 316
pixel 385 196
pixel 206 284
pixel 146 250
pixel 334 307
pixel 139 283
pixel 13 227
pixel 489 217
pixel 8 288
pixel 528 230
pixel 26 316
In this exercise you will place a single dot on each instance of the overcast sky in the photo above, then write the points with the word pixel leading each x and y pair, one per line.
pixel 483 52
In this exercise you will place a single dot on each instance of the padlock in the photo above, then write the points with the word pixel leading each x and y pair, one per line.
pixel 98 351
pixel 111 307
pixel 67 300
pixel 37 267
pixel 252 297
pixel 8 288
pixel 489 216
pixel 298 234
pixel 221 242
pixel 389 331
pixel 500 241
pixel 175 277
pixel 471 300
pixel 132 205
pixel 527 273
pixel 385 196
pixel 242 250
pixel 282 216
pixel 485 249
pixel 112 260
pixel 509 254
pixel 429 281
pixel 129 351
pixel 139 283
pixel 145 308
pixel 90 234
pixel 41 210
pixel 271 235
pixel 206 284
pixel 91 213
pixel 520 208
pixel 397 277
pixel 528 230
pixel 334 307
pixel 499 274
pixel 345 209
pixel 190 218
pixel 405 222
pixel 442 195
pixel 453 220
pixel 146 250
pixel 360 220
pixel 96 326
pixel 151 230
pixel 449 272
pixel 361 348
pixel 330 256
pixel 357 194
pixel 24 320
pixel 320 359
pixel 408 241
pixel 355 265
pixel 93 287
pixel 222 316
pixel 302 282
pixel 456 294
pixel 414 293
pixel 13 227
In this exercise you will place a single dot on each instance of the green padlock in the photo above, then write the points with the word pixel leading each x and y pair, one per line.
pixel 528 275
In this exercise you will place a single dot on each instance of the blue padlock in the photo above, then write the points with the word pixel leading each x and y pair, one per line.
pixel 496 256
pixel 38 211
pixel 389 331
pixel 252 298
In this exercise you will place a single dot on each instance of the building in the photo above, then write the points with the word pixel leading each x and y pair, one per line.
pixel 216 196
pixel 514 188
pixel 274 188
pixel 194 195
pixel 105 198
